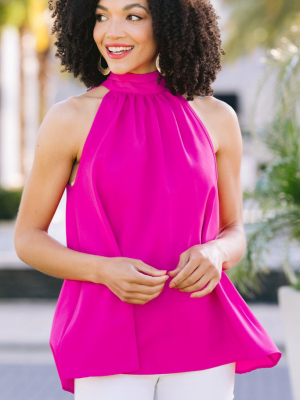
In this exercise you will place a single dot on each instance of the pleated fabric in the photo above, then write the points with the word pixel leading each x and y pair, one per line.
pixel 146 188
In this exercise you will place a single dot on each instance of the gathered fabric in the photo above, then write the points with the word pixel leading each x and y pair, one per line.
pixel 147 188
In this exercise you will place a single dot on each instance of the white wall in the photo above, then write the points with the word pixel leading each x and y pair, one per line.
pixel 10 129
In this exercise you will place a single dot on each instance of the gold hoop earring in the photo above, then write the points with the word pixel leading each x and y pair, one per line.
pixel 104 71
pixel 158 67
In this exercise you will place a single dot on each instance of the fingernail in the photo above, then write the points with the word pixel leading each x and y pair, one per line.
pixel 171 285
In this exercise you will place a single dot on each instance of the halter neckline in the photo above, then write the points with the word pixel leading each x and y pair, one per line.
pixel 145 83
pixel 130 77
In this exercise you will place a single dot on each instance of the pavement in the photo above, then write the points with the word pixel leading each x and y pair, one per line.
pixel 27 368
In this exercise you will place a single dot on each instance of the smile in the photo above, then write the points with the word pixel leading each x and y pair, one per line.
pixel 119 52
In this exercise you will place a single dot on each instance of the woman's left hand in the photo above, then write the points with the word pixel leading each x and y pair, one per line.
pixel 199 265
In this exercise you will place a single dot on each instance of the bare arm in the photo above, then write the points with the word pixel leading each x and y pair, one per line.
pixel 55 151
pixel 132 280
pixel 231 238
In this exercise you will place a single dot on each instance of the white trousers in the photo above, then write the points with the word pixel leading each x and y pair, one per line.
pixel 209 384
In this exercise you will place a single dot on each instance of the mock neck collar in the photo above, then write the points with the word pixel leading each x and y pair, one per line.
pixel 145 83
pixel 130 77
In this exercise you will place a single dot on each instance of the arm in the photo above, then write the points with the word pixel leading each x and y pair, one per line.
pixel 231 238
pixel 55 151
pixel 200 266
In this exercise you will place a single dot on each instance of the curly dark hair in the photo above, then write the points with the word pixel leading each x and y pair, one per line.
pixel 186 32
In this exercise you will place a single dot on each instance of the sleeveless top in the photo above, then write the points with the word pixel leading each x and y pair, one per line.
pixel 146 188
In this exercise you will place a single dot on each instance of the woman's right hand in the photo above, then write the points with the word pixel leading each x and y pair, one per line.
pixel 132 280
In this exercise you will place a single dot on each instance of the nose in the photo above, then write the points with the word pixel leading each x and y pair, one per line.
pixel 115 31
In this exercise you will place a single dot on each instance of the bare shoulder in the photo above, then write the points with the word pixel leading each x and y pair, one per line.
pixel 76 108
pixel 72 118
pixel 214 105
pixel 56 132
pixel 220 120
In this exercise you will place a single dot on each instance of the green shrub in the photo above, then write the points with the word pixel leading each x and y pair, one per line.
pixel 9 203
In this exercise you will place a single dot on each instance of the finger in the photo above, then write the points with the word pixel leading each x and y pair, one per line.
pixel 202 270
pixel 148 280
pixel 141 301
pixel 196 286
pixel 183 259
pixel 192 279
pixel 141 296
pixel 137 288
pixel 137 298
pixel 184 273
pixel 147 269
pixel 208 289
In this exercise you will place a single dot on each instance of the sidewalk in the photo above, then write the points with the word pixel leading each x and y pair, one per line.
pixel 27 368
pixel 25 333
pixel 28 322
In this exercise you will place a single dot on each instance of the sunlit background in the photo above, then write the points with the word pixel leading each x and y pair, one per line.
pixel 260 79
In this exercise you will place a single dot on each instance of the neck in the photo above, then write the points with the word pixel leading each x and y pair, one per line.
pixel 134 72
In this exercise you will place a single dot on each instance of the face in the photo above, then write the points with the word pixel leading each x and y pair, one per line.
pixel 120 23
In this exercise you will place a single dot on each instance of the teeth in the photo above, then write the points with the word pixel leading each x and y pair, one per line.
pixel 118 49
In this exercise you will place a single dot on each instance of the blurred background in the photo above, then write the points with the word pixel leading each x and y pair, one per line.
pixel 260 79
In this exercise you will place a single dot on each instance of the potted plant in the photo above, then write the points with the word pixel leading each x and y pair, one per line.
pixel 277 196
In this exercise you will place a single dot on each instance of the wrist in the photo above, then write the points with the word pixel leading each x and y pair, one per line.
pixel 96 272
pixel 223 253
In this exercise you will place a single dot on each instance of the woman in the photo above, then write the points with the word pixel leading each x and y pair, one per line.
pixel 151 164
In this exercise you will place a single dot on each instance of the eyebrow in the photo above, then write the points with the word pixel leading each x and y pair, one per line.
pixel 126 8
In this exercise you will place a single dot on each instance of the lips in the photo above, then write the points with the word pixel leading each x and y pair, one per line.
pixel 121 55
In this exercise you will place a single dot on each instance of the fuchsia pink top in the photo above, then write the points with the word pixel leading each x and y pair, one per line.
pixel 146 188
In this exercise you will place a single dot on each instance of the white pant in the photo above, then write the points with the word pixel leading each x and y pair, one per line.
pixel 209 384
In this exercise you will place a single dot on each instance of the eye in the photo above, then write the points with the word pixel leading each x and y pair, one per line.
pixel 133 15
pixel 98 16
